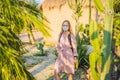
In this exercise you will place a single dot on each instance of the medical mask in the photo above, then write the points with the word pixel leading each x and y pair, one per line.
pixel 65 28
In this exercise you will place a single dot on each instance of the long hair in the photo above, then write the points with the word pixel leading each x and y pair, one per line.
pixel 70 30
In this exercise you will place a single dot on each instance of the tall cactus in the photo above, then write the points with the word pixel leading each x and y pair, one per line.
pixel 95 56
pixel 107 54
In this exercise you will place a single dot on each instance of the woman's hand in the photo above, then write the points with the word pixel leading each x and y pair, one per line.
pixel 75 60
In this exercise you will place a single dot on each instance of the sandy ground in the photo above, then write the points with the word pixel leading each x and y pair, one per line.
pixel 43 70
pixel 41 67
pixel 24 37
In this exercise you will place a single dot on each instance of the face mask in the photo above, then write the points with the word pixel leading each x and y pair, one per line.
pixel 65 28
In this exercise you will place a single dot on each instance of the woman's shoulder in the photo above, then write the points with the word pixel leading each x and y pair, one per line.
pixel 71 34
pixel 60 34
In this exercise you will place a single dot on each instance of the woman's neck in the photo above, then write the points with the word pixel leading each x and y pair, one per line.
pixel 66 32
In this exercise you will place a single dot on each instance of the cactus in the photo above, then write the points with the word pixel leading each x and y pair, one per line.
pixel 107 53
pixel 95 56
pixel 41 47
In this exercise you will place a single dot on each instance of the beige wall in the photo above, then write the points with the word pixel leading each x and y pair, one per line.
pixel 56 16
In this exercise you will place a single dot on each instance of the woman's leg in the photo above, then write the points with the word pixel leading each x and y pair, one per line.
pixel 57 77
pixel 70 76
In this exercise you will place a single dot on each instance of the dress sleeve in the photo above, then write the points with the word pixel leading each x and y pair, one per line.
pixel 58 48
pixel 74 45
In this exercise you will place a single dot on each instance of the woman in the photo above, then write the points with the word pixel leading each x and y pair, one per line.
pixel 67 52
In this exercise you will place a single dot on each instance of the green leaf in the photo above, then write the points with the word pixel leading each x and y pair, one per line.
pixel 99 5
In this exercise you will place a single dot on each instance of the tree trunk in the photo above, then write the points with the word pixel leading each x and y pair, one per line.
pixel 89 11
pixel 32 35
pixel 29 38
pixel 96 17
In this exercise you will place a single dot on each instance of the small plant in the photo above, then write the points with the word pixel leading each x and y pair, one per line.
pixel 55 52
pixel 40 47
pixel 82 48
pixel 115 74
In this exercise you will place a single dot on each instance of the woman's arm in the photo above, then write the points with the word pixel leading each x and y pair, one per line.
pixel 58 48
pixel 58 45
pixel 74 45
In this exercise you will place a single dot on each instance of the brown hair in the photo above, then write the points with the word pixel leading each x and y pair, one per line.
pixel 70 30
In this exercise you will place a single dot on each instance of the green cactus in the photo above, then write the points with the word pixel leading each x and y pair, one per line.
pixel 107 53
pixel 41 47
pixel 95 56
pixel 106 59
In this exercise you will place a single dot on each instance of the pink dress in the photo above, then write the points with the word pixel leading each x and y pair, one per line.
pixel 65 60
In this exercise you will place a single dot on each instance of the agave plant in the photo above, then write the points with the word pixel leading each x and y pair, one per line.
pixel 83 61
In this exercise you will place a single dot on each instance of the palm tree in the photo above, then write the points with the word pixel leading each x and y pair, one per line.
pixel 16 15
pixel 23 15
pixel 11 65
